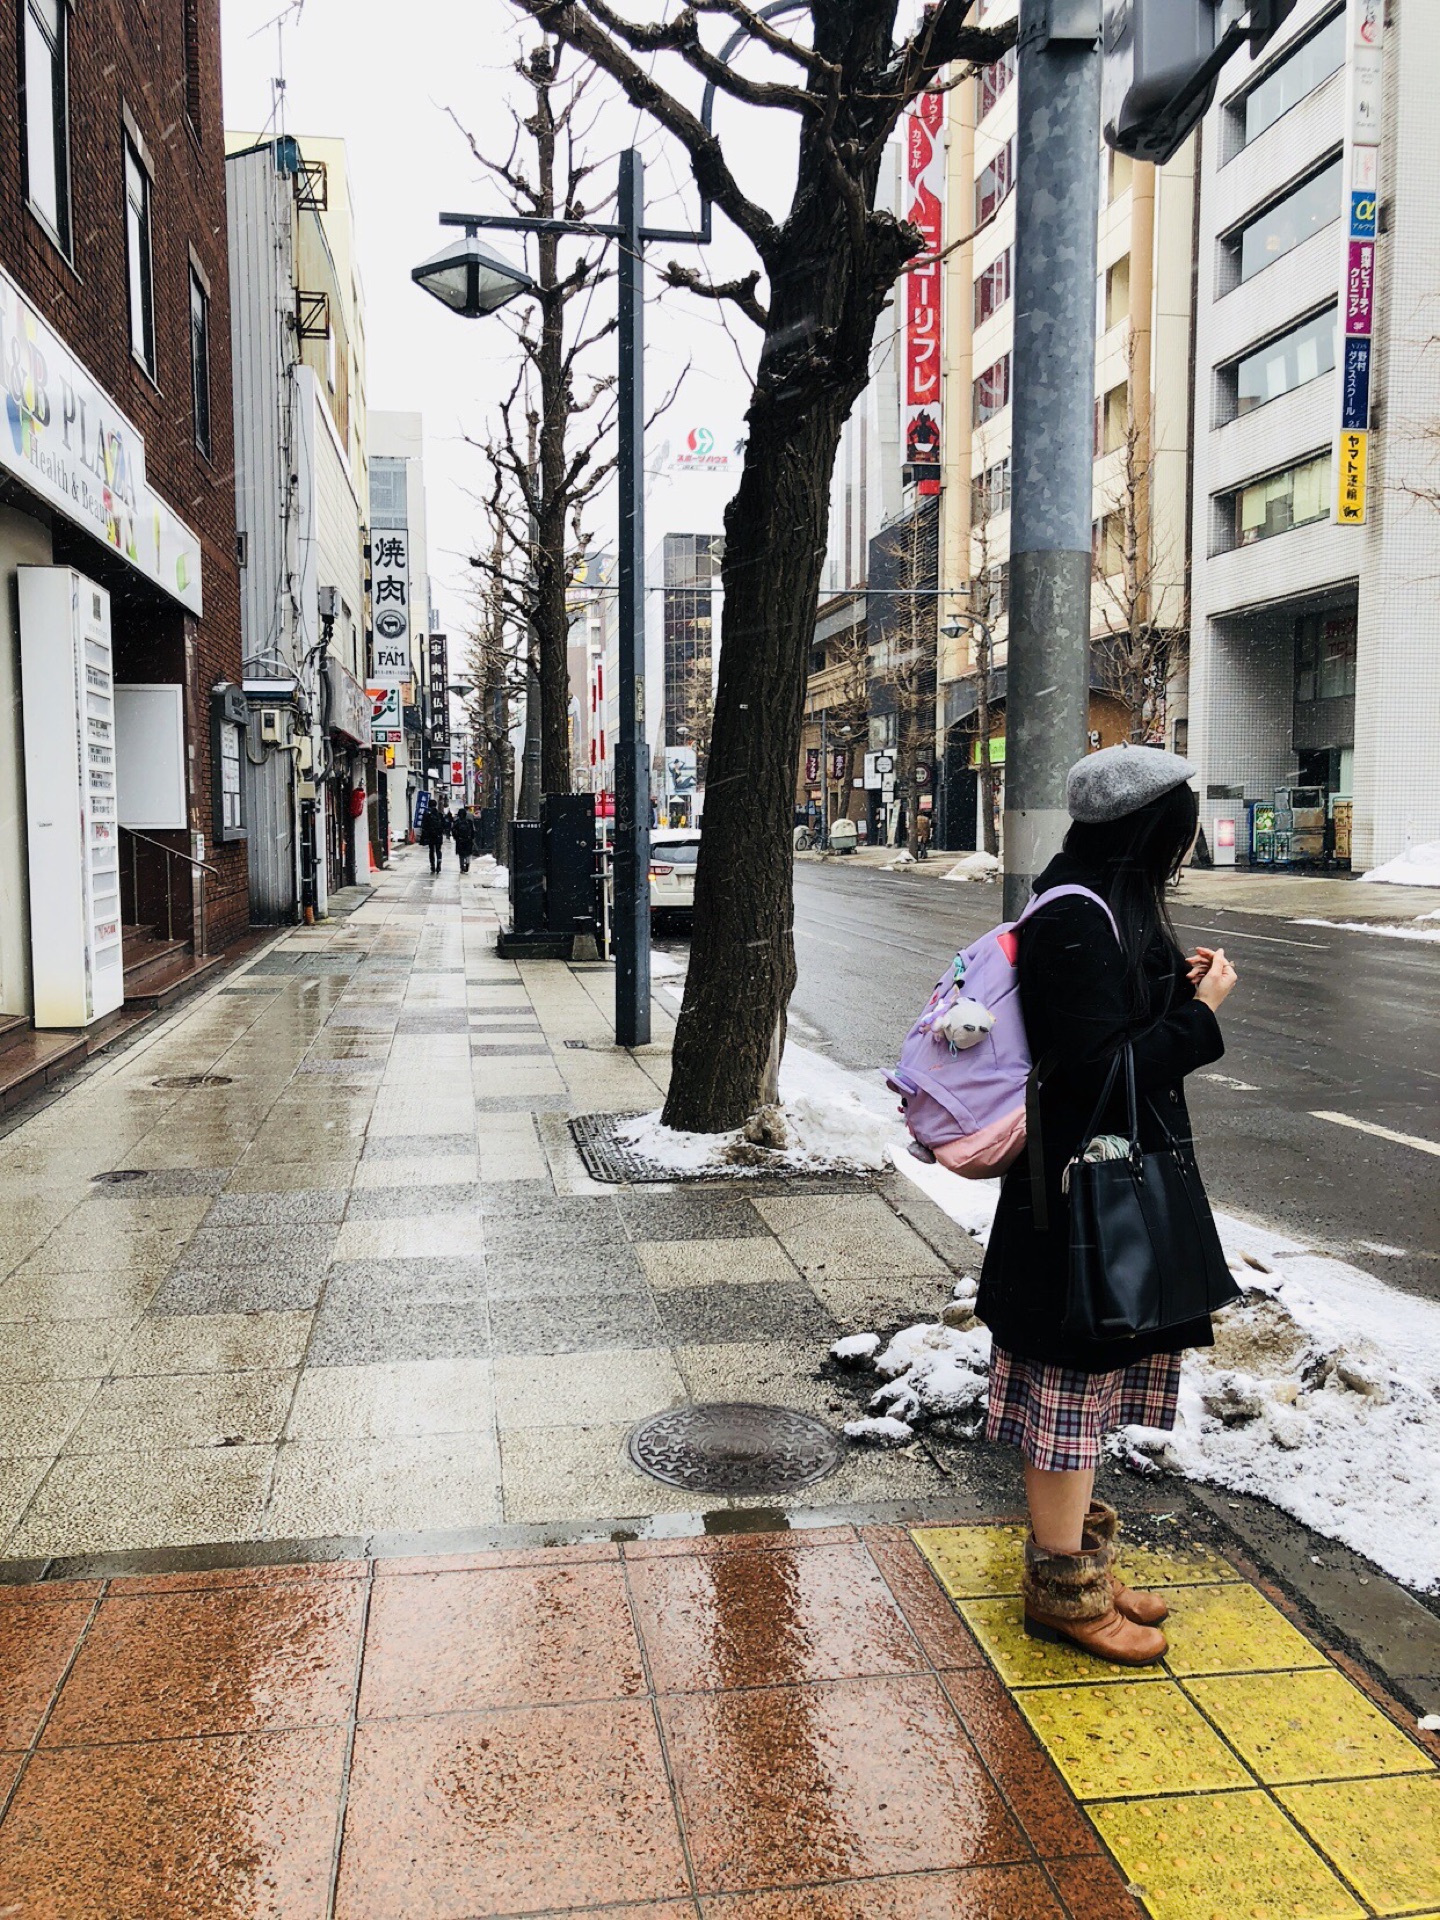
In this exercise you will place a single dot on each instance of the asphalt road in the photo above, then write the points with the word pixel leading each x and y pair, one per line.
pixel 1322 1021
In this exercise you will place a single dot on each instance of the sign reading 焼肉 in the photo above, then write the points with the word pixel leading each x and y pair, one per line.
pixel 390 602
pixel 1364 35
pixel 925 173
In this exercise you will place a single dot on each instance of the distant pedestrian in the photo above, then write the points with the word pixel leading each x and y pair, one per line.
pixel 432 834
pixel 463 829
pixel 1091 995
pixel 924 824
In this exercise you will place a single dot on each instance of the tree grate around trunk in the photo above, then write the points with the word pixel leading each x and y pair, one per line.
pixel 735 1447
pixel 610 1159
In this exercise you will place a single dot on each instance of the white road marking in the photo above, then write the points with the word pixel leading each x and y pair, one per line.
pixel 1381 1133
pixel 1270 939
pixel 1224 1080
pixel 1379 1246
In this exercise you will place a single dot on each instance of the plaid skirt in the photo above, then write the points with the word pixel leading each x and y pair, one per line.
pixel 1057 1416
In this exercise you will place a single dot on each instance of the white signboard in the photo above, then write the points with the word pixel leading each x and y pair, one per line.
pixel 390 601
pixel 386 721
pixel 70 794
pixel 879 770
pixel 66 440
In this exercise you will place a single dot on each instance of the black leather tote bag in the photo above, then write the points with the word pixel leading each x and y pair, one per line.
pixel 1144 1253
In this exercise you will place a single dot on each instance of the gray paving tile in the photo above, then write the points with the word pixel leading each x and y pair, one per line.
pixel 357 1333
pixel 258 1245
pixel 308 1206
pixel 384 1284
pixel 416 1146
pixel 527 1236
pixel 389 1203
pixel 710 1316
pixel 272 1288
pixel 689 1216
pixel 564 1273
pixel 515 1197
pixel 583 1323
pixel 432 1020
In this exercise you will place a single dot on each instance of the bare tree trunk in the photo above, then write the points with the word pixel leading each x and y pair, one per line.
pixel 731 1028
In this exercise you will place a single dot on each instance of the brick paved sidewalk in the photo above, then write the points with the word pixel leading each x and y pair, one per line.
pixel 772 1727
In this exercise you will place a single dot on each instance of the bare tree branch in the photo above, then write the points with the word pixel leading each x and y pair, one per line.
pixel 741 292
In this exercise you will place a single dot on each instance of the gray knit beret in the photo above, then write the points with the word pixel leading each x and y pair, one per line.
pixel 1117 780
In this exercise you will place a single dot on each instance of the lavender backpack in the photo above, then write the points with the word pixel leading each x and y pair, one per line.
pixel 962 1070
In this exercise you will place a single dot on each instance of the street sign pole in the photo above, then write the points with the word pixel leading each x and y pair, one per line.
pixel 632 759
pixel 1057 179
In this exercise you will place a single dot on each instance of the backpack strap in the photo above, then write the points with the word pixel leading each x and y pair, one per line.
pixel 1034 1139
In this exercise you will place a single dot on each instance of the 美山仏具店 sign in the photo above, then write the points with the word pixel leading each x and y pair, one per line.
pixel 390 604
pixel 64 438
pixel 925 173
pixel 1350 478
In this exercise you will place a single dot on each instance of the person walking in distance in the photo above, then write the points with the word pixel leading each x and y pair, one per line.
pixel 432 834
pixel 1085 990
pixel 462 832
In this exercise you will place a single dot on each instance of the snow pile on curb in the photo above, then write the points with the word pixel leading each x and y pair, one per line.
pixel 1416 930
pixel 974 866
pixel 1415 867
pixel 828 1121
pixel 1321 1394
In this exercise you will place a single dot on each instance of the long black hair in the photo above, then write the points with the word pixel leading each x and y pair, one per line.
pixel 1137 857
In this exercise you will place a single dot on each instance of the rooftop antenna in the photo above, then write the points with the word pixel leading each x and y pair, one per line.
pixel 291 11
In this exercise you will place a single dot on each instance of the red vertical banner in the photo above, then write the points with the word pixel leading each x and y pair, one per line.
pixel 925 194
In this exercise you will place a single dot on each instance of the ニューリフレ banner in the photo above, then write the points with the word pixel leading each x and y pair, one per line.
pixel 924 208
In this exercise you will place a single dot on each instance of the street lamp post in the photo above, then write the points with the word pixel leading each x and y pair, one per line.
pixel 473 281
pixel 952 628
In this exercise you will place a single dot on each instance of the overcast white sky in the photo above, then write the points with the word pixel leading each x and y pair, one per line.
pixel 381 77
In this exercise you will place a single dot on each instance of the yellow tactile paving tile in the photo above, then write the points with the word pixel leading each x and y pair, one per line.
pixel 1113 1741
pixel 1232 1629
pixel 1229 1856
pixel 974 1563
pixel 1293 1727
pixel 1384 1835
pixel 1022 1662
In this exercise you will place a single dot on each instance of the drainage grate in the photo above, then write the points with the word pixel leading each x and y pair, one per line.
pixel 578 1046
pixel 736 1447
pixel 191 1082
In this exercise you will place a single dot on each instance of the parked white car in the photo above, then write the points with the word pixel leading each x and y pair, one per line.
pixel 673 854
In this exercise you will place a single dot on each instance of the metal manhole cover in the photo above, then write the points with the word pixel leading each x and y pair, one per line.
pixel 191 1082
pixel 735 1447
pixel 118 1176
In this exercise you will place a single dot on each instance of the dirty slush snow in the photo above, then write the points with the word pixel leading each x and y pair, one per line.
pixel 1294 1403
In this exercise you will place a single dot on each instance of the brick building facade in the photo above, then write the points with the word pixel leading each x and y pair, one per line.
pixel 116 451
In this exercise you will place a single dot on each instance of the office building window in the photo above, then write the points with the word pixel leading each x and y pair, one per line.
pixel 200 361
pixel 139 259
pixel 1293 498
pixel 1325 646
pixel 1282 226
pixel 991 392
pixel 992 287
pixel 992 81
pixel 993 184
pixel 1287 83
pixel 1119 173
pixel 990 492
pixel 1280 366
pixel 1117 292
pixel 45 101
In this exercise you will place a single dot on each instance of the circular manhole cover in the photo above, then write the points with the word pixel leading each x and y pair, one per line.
pixel 735 1447
pixel 118 1176
pixel 192 1082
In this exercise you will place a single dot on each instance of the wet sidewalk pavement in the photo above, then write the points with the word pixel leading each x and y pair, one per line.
pixel 327 1587
pixel 800 1726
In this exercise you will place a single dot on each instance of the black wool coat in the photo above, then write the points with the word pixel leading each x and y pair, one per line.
pixel 1074 996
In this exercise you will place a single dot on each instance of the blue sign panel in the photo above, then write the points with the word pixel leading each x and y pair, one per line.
pixel 1363 206
pixel 1355 387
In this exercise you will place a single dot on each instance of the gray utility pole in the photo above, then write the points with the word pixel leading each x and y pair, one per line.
pixel 1057 183
pixel 632 756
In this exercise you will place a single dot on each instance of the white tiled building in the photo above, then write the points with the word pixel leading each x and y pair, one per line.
pixel 1315 646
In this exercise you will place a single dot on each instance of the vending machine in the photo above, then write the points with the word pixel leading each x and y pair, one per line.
pixel 68 696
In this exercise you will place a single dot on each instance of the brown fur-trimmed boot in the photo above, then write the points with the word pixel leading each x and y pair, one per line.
pixel 1146 1609
pixel 1068 1601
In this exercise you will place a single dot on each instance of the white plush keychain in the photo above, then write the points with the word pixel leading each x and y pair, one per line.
pixel 963 1024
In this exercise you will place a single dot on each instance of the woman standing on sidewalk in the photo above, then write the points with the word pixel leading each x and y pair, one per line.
pixel 1083 994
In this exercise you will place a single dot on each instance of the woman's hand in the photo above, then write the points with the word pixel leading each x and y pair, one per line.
pixel 1218 980
pixel 1198 964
